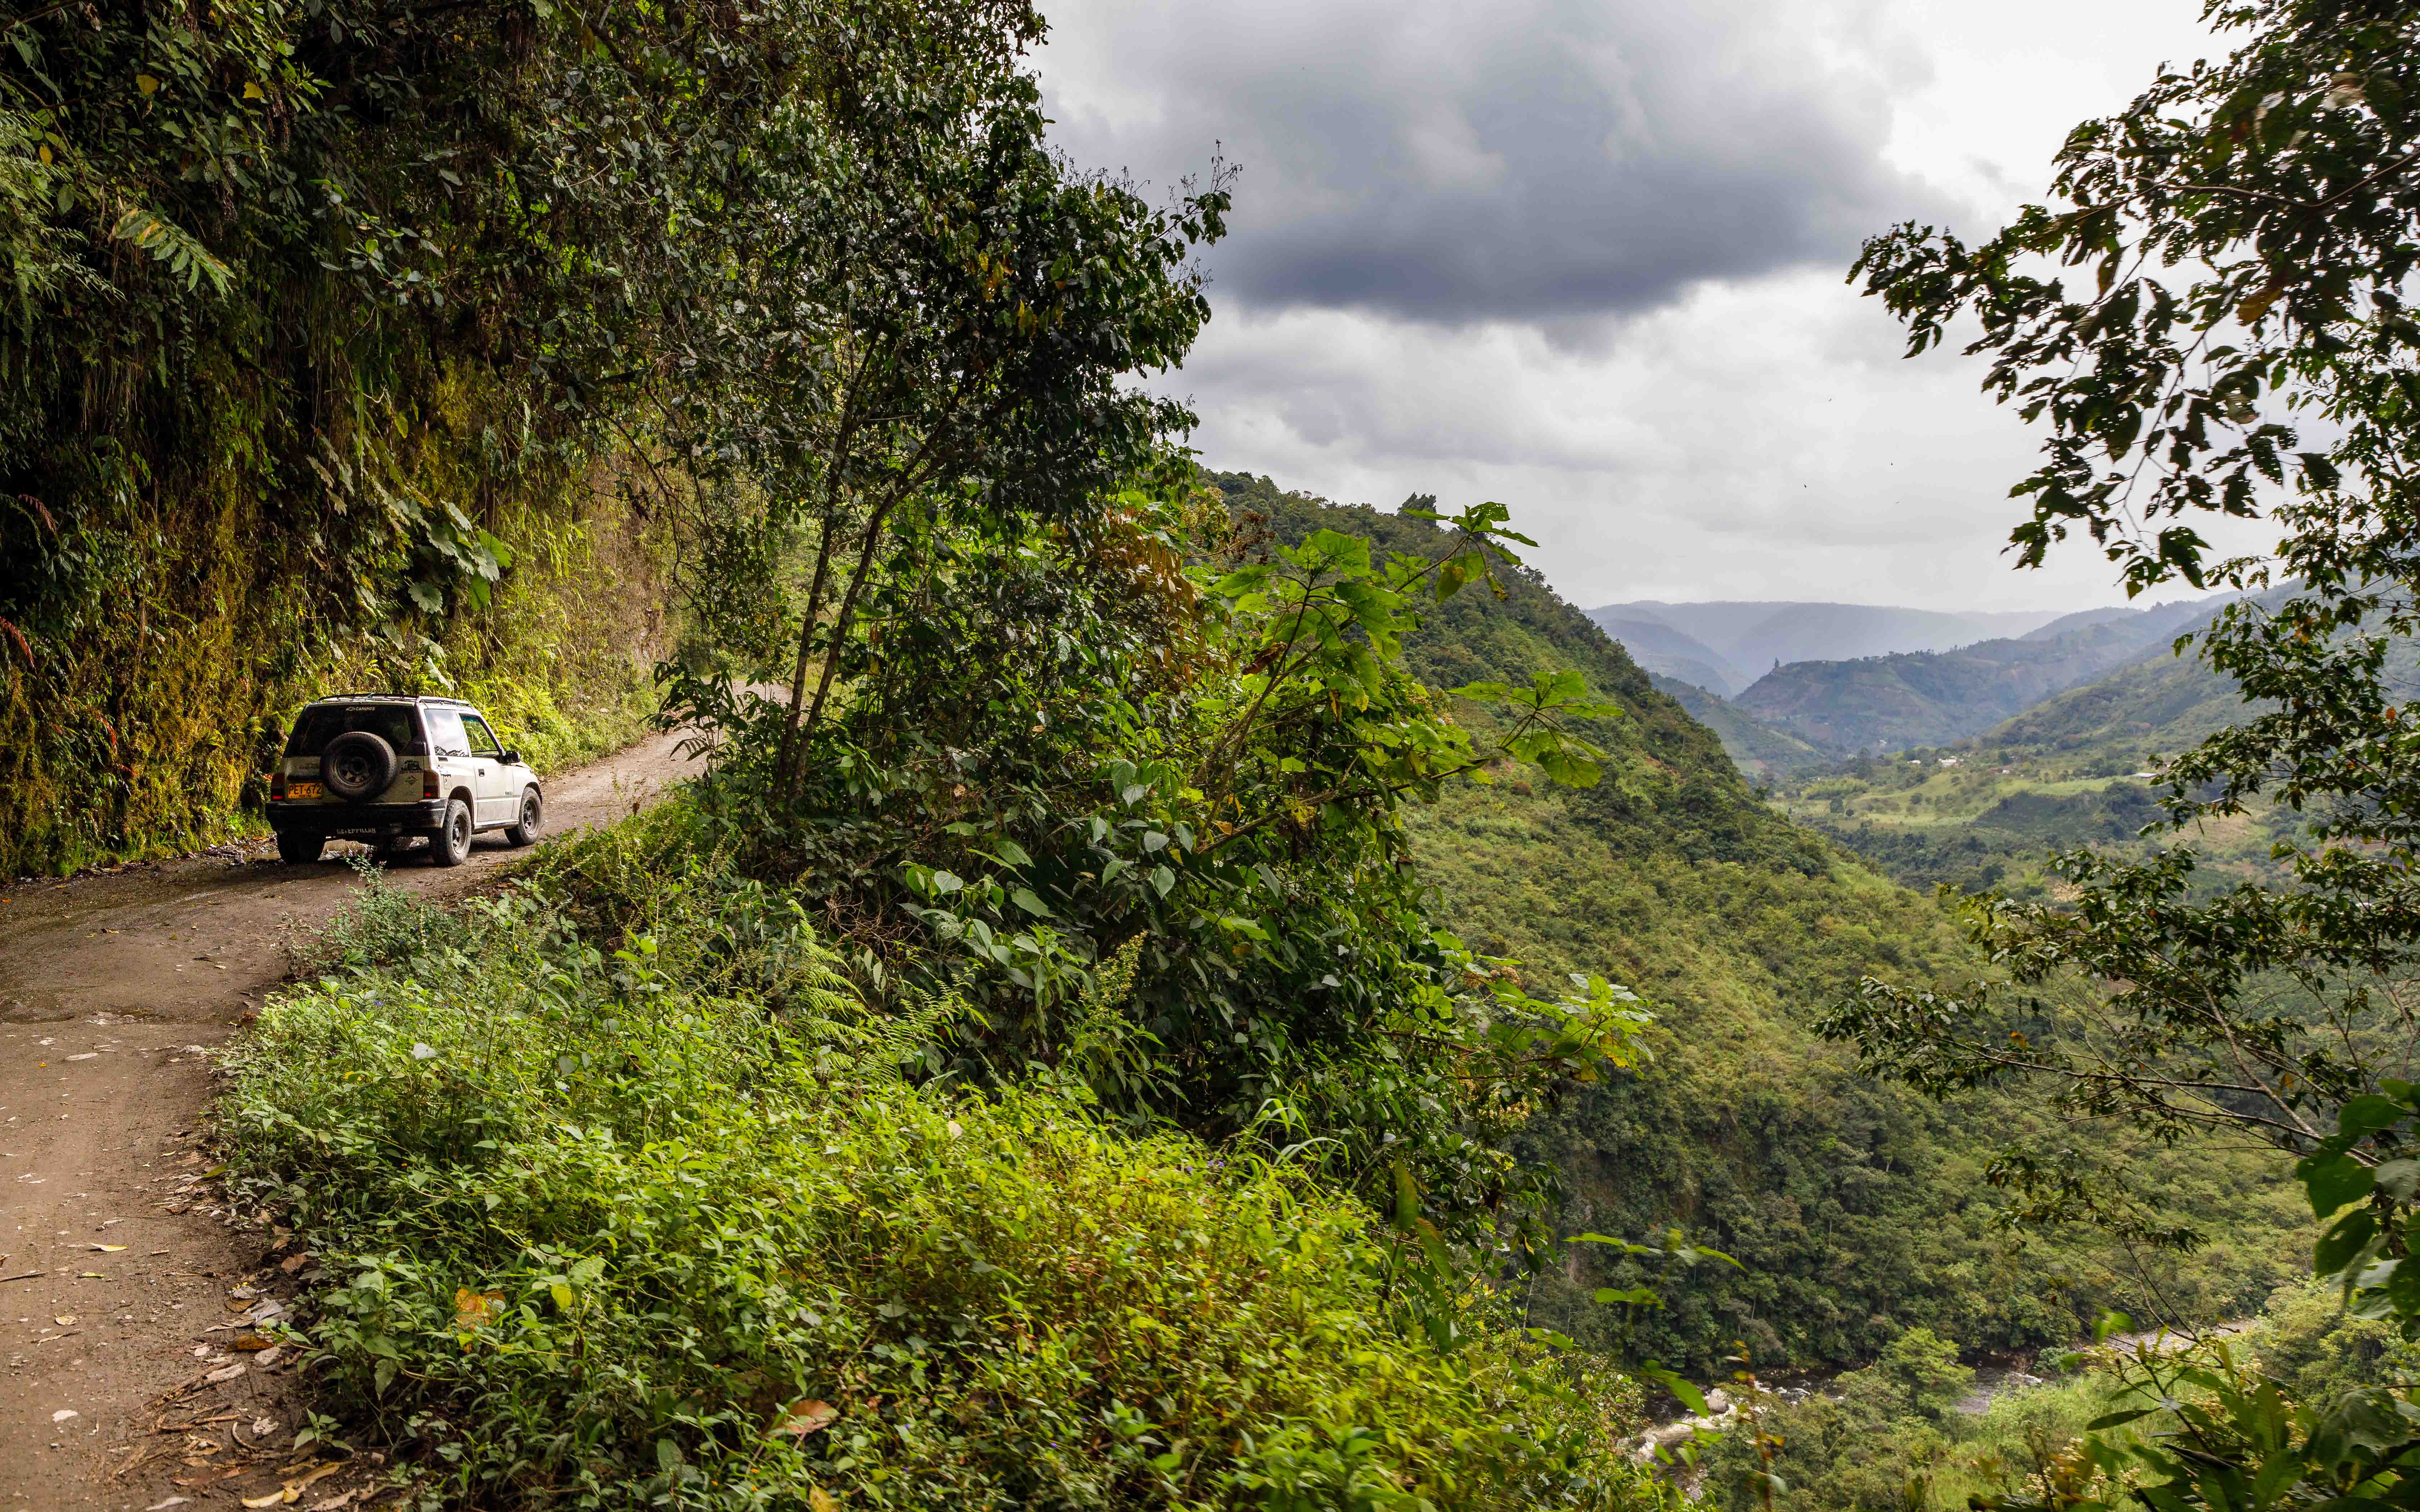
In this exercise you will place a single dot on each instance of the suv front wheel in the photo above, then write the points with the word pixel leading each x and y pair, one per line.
pixel 451 845
pixel 524 831
pixel 298 849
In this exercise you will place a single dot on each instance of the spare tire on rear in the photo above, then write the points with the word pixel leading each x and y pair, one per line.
pixel 356 767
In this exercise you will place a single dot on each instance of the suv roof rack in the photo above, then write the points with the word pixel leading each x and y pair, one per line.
pixel 391 698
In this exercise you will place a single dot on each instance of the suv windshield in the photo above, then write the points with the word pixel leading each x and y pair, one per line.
pixel 323 722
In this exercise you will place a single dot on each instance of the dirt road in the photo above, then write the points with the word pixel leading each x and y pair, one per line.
pixel 125 1302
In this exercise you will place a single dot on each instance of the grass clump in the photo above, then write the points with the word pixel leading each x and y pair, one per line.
pixel 597 1236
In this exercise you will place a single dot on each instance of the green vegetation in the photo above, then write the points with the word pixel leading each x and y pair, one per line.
pixel 288 401
pixel 1855 1210
pixel 1753 746
pixel 2269 194
pixel 1897 1433
pixel 2080 769
pixel 1933 698
pixel 1208 1035
pixel 1892 1436
pixel 666 1224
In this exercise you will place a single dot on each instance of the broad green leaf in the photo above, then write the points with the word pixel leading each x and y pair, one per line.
pixel 2343 1243
pixel 2370 1112
pixel 2332 1181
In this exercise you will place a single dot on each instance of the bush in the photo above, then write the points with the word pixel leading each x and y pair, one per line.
pixel 596 1236
pixel 2309 1344
pixel 1917 1376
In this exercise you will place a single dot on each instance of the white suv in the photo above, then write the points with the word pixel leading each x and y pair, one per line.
pixel 387 768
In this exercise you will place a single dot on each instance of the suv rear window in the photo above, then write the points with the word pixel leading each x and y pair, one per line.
pixel 323 722
pixel 445 736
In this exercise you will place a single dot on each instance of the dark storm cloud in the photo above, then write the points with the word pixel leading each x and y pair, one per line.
pixel 1525 160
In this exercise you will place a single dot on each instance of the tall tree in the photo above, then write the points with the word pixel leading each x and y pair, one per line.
pixel 2212 319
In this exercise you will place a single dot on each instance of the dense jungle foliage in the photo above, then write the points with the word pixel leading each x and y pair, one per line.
pixel 602 1231
pixel 286 389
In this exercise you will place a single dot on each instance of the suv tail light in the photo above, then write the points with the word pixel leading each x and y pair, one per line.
pixel 277 784
pixel 427 784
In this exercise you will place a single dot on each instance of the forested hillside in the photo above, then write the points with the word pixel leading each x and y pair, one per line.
pixel 1854 1209
pixel 1756 748
pixel 1893 702
pixel 2080 768
pixel 1051 853
pixel 1164 990
pixel 1668 653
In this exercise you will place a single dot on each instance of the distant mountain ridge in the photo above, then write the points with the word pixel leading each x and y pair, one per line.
pixel 1673 654
pixel 1894 703
pixel 1751 636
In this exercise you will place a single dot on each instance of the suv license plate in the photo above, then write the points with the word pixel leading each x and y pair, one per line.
pixel 303 790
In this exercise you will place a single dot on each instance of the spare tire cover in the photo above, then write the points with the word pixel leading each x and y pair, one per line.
pixel 356 767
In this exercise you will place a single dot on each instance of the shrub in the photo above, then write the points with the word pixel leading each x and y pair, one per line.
pixel 595 1237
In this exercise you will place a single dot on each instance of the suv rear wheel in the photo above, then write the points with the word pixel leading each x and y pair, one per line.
pixel 524 831
pixel 451 845
pixel 299 850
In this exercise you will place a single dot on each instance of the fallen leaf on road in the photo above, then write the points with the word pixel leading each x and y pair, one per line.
pixel 64 1319
pixel 228 1372
pixel 292 1490
pixel 332 1503
pixel 163 1507
pixel 474 1310
pixel 802 1418
pixel 251 1343
pixel 267 1357
pixel 109 1249
pixel 64 1414
pixel 293 1263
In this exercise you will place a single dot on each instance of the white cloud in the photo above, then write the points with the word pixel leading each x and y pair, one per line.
pixel 1703 411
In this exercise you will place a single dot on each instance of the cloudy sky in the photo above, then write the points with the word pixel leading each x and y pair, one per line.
pixel 1585 256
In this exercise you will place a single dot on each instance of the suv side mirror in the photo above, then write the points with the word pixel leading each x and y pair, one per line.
pixel 512 757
